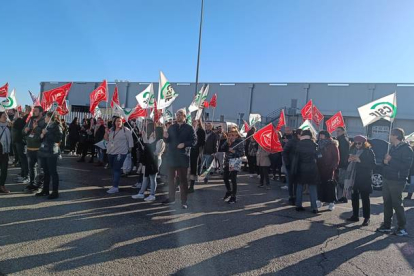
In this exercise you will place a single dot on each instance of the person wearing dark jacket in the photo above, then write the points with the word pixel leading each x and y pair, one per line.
pixel 195 153
pixel 411 179
pixel 99 133
pixel 5 148
pixel 358 177
pixel 343 161
pixel 288 154
pixel 210 149
pixel 73 136
pixel 88 143
pixel 328 160
pixel 32 132
pixel 18 140
pixel 233 148
pixel 49 151
pixel 178 137
pixel 395 172
pixel 304 169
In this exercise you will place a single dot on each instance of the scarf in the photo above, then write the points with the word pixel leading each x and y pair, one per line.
pixel 5 137
pixel 350 174
pixel 323 143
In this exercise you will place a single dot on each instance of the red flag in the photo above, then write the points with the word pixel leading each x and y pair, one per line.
pixel 205 104
pixel 115 97
pixel 157 112
pixel 307 111
pixel 138 112
pixel 98 95
pixel 4 90
pixel 317 116
pixel 334 122
pixel 62 109
pixel 55 95
pixel 246 126
pixel 213 101
pixel 268 139
pixel 19 108
pixel 282 120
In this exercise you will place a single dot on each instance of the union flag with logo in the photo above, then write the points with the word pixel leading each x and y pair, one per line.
pixel 213 101
pixel 282 120
pixel 307 111
pixel 98 95
pixel 268 139
pixel 115 97
pixel 317 116
pixel 334 122
pixel 57 95
pixel 4 90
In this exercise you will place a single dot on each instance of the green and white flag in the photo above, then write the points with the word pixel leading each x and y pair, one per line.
pixel 166 94
pixel 10 102
pixel 308 125
pixel 189 119
pixel 254 119
pixel 167 115
pixel 195 105
pixel 409 137
pixel 146 98
pixel 97 113
pixel 384 108
pixel 102 144
pixel 122 112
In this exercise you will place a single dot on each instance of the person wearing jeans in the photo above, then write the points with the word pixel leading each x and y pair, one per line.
pixel 5 141
pixel 397 164
pixel 305 170
pixel 119 144
pixel 210 149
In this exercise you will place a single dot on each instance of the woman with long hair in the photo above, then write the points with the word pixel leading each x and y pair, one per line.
pixel 49 152
pixel 120 143
pixel 358 177
pixel 233 148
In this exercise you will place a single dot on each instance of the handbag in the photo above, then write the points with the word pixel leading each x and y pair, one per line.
pixel 235 164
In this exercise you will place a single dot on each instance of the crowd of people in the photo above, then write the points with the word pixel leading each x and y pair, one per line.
pixel 331 170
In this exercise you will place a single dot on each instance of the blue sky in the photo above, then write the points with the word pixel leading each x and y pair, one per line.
pixel 243 41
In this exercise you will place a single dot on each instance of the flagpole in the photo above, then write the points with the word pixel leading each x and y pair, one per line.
pixel 133 131
pixel 214 109
pixel 242 141
pixel 199 45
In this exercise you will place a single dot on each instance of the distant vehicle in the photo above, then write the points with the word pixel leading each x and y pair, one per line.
pixel 380 148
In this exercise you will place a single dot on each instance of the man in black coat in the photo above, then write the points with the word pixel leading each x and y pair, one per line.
pixel 179 137
pixel 343 161
pixel 288 154
pixel 210 148
pixel 396 170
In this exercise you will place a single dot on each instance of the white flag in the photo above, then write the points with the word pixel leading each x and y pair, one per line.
pixel 167 115
pixel 384 108
pixel 102 144
pixel 146 97
pixel 166 94
pixel 254 119
pixel 10 102
pixel 196 101
pixel 122 112
pixel 98 112
pixel 308 125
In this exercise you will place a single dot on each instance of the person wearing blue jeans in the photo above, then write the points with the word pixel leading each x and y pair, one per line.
pixel 120 143
pixel 305 169
pixel 210 149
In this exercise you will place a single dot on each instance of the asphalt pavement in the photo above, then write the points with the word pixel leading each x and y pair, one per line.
pixel 89 232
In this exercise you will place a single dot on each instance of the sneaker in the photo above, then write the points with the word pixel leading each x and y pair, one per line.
pixel 42 193
pixel 150 198
pixel 184 206
pixel 318 204
pixel 353 219
pixel 284 187
pixel 53 195
pixel 24 180
pixel 331 206
pixel 19 179
pixel 113 190
pixel 226 196
pixel 138 196
pixel 401 232
pixel 31 187
pixel 366 222
pixel 137 185
pixel 383 229
pixel 168 202
pixel 232 200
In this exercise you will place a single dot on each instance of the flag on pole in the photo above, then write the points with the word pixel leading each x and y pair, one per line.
pixel 146 98
pixel 10 102
pixel 334 122
pixel 34 98
pixel 63 109
pixel 98 95
pixel 137 112
pixel 282 120
pixel 213 101
pixel 102 144
pixel 195 104
pixel 167 115
pixel 254 119
pixel 317 116
pixel 384 108
pixel 58 95
pixel 166 94
pixel 97 112
pixel 307 111
pixel 245 127
pixel 268 139
pixel 4 90
pixel 156 113
pixel 115 97
pixel 308 125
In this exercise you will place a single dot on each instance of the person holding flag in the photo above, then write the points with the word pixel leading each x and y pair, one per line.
pixel 196 152
pixel 210 149
pixel 5 147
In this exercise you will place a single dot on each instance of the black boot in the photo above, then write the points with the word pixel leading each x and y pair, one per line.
pixel 42 193
pixel 409 195
pixel 227 195
pixel 191 189
pixel 53 195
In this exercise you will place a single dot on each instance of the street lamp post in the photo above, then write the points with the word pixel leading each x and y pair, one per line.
pixel 199 45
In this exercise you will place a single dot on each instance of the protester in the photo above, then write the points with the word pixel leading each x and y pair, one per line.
pixel 5 145
pixel 99 133
pixel 395 172
pixel 233 149
pixel 251 157
pixel 289 155
pixel 210 149
pixel 179 137
pixel 358 177
pixel 343 161
pixel 32 132
pixel 20 144
pixel 65 131
pixel 328 159
pixel 120 143
pixel 153 151
pixel 263 164
pixel 73 136
pixel 411 179
pixel 195 153
pixel 49 151
pixel 304 170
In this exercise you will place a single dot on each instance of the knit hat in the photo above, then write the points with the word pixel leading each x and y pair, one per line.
pixel 360 139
